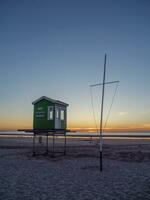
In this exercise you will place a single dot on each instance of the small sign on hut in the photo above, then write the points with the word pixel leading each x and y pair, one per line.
pixel 49 114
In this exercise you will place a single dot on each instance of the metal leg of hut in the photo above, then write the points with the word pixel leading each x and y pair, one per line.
pixel 53 151
pixel 65 144
pixel 33 147
pixel 47 143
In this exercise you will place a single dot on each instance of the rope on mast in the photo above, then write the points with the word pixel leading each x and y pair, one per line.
pixel 92 103
pixel 108 114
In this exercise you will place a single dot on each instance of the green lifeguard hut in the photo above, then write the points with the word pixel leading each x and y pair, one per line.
pixel 49 114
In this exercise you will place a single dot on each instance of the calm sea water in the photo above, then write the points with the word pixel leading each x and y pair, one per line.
pixel 114 133
pixel 87 133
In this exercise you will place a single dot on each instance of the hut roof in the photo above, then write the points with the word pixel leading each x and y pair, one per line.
pixel 51 100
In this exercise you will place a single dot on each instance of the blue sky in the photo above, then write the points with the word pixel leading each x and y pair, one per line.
pixel 56 49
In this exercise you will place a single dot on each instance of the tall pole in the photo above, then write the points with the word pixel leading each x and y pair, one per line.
pixel 101 119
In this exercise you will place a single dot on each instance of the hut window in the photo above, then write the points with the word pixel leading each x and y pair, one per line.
pixel 50 113
pixel 62 114
pixel 57 113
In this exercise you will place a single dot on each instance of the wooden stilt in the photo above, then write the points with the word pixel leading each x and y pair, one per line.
pixel 33 144
pixel 53 153
pixel 65 144
pixel 47 143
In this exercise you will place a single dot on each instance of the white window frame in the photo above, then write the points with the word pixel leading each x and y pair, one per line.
pixel 57 112
pixel 62 113
pixel 50 110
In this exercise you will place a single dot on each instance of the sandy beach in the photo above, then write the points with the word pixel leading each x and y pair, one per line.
pixel 126 171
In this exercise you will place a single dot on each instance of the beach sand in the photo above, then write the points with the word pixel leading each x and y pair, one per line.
pixel 126 169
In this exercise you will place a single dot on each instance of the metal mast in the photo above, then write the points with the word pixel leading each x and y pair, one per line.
pixel 101 118
pixel 101 111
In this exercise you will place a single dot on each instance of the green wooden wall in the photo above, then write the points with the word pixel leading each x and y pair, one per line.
pixel 40 119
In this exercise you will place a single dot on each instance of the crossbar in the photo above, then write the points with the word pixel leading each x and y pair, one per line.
pixel 104 83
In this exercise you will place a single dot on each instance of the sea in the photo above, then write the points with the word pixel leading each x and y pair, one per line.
pixel 78 133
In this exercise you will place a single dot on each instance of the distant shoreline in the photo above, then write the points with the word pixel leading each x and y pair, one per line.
pixel 94 130
pixel 82 136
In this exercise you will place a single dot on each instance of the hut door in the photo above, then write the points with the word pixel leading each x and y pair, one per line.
pixel 57 118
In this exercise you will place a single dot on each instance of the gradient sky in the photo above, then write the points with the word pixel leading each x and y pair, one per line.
pixel 56 49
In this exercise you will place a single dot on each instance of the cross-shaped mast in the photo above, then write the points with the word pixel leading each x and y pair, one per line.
pixel 101 111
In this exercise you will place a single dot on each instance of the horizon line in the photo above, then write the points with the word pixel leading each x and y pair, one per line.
pixel 97 130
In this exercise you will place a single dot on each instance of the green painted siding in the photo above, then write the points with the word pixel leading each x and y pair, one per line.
pixel 40 119
pixel 40 116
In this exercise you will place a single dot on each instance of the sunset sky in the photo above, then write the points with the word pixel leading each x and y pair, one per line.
pixel 56 49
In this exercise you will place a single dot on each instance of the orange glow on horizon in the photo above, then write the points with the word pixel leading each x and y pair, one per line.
pixel 91 130
pixel 109 129
pixel 76 125
pixel 14 124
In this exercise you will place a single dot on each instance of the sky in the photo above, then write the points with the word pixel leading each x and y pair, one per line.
pixel 56 49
